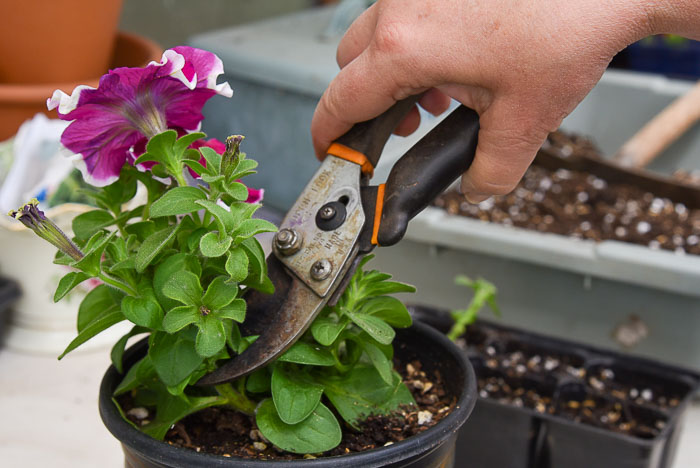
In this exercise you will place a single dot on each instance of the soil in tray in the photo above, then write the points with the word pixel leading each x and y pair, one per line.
pixel 584 206
pixel 552 381
pixel 228 433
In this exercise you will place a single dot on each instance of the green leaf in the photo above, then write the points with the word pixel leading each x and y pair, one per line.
pixel 234 311
pixel 302 352
pixel 325 330
pixel 212 246
pixel 118 349
pixel 67 283
pixel 160 149
pixel 237 264
pixel 259 381
pixel 183 286
pixel 375 327
pixel 95 327
pixel 172 408
pixel 362 392
pixel 213 159
pixel 237 190
pixel 143 310
pixel 379 361
pixel 166 269
pixel 87 224
pixel 223 217
pixel 389 309
pixel 387 287
pixel 173 357
pixel 219 293
pixel 179 317
pixel 101 301
pixel 211 336
pixel 153 245
pixel 295 395
pixel 91 262
pixel 141 229
pixel 251 227
pixel 317 433
pixel 177 201
pixel 137 374
pixel 245 167
pixel 256 259
pixel 185 141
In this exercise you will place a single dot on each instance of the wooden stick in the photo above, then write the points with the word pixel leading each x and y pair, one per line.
pixel 661 131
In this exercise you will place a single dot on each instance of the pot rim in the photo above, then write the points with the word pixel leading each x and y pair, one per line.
pixel 422 443
pixel 21 93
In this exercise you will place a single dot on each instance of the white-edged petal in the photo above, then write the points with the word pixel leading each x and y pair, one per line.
pixel 66 103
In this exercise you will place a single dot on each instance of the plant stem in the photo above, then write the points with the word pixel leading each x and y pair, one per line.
pixel 236 398
pixel 117 284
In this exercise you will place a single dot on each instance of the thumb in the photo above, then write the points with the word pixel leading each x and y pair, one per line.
pixel 508 142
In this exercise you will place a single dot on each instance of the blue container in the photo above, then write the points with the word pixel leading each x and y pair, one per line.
pixel 665 54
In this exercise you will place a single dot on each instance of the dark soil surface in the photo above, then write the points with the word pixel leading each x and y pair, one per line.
pixel 584 206
pixel 229 433
pixel 570 384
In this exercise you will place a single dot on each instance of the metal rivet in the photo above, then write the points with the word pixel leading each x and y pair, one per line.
pixel 321 270
pixel 327 212
pixel 287 241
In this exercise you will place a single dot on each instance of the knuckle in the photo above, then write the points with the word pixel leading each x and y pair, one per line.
pixel 392 38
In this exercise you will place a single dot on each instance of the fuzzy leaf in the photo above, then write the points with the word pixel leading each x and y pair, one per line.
pixel 211 336
pixel 99 302
pixel 166 269
pixel 326 330
pixel 317 433
pixel 237 264
pixel 177 201
pixel 153 245
pixel 294 394
pixel 251 227
pixel 174 357
pixel 211 246
pixel 256 259
pixel 389 309
pixel 179 317
pixel 183 286
pixel 379 361
pixel 94 328
pixel 234 311
pixel 302 352
pixel 118 349
pixel 172 408
pixel 219 293
pixel 375 327
pixel 143 310
pixel 87 224
pixel 67 283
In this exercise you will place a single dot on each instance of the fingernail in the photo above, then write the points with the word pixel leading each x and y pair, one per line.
pixel 475 198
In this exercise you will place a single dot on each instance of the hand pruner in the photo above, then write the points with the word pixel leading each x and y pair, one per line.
pixel 339 218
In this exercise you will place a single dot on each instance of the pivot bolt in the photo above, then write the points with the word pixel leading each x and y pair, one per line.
pixel 287 242
pixel 327 212
pixel 321 270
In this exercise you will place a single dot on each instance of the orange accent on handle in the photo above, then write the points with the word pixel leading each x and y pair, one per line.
pixel 378 213
pixel 354 156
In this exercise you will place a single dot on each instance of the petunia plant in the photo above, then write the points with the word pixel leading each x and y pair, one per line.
pixel 173 243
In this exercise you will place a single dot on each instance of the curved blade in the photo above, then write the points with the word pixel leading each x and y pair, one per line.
pixel 278 324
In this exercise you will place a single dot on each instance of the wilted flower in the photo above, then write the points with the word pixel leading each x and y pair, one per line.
pixel 31 216
pixel 113 122
pixel 229 151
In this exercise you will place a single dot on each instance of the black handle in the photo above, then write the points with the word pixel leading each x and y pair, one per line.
pixel 369 137
pixel 426 170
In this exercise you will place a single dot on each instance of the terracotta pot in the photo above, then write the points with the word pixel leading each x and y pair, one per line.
pixel 56 41
pixel 19 102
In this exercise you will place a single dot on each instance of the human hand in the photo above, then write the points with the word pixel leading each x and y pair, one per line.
pixel 522 66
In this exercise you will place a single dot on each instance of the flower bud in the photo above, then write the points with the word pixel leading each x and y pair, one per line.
pixel 230 158
pixel 31 216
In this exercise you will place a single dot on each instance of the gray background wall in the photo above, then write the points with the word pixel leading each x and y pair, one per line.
pixel 172 22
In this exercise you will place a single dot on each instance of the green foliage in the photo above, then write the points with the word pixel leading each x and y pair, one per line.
pixel 484 293
pixel 177 267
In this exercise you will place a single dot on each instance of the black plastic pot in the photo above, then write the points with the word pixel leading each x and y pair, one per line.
pixel 9 293
pixel 433 448
pixel 503 435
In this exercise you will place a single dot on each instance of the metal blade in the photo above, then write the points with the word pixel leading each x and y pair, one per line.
pixel 281 327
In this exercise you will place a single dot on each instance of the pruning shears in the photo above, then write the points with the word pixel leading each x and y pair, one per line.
pixel 339 218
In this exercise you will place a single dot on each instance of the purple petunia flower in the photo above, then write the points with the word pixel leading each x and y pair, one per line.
pixel 113 122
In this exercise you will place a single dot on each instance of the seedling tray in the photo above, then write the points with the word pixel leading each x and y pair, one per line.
pixel 551 403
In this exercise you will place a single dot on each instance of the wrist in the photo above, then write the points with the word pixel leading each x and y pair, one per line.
pixel 681 17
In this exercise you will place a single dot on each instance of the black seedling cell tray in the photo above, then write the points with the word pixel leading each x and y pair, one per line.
pixel 9 293
pixel 551 403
